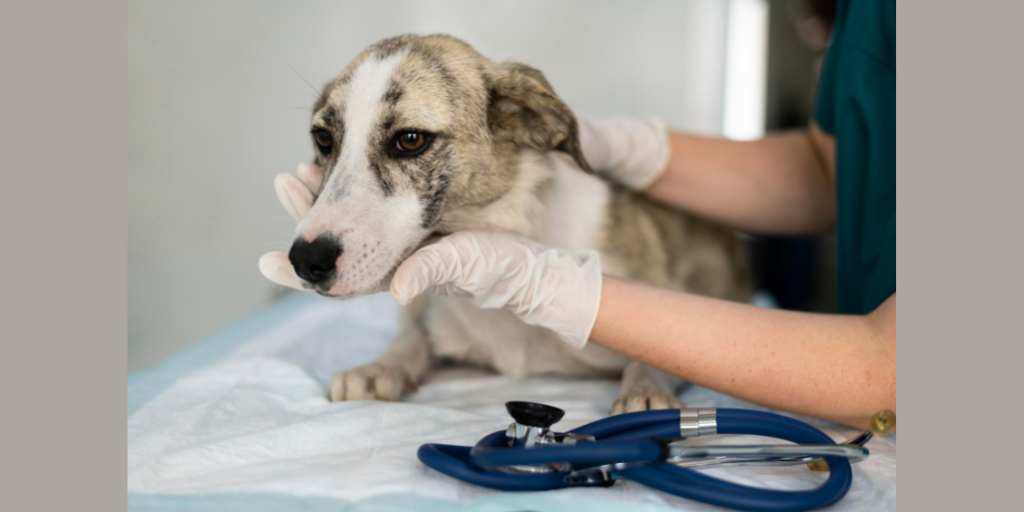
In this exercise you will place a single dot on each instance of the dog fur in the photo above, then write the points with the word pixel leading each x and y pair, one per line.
pixel 503 155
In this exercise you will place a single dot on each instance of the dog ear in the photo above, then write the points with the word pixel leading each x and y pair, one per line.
pixel 524 110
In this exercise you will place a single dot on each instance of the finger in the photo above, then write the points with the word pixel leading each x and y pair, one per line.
pixel 276 267
pixel 459 265
pixel 446 289
pixel 424 271
pixel 311 176
pixel 293 195
pixel 410 279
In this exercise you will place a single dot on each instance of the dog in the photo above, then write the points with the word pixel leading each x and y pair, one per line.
pixel 421 136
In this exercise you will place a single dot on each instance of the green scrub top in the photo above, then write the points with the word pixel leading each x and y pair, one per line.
pixel 857 105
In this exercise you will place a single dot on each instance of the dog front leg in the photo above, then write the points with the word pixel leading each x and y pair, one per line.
pixel 399 370
pixel 646 389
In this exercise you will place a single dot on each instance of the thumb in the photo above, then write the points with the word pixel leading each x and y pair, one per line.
pixel 426 271
pixel 293 195
pixel 276 267
pixel 310 175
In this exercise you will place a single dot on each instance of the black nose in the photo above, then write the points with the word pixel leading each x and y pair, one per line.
pixel 314 261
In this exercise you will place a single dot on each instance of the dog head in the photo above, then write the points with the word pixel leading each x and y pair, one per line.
pixel 415 130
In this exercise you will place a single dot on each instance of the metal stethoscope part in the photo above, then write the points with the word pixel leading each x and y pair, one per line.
pixel 692 423
pixel 529 456
pixel 769 455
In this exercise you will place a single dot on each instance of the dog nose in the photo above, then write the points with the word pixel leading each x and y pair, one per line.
pixel 315 261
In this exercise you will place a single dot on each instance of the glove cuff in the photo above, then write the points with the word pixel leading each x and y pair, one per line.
pixel 590 288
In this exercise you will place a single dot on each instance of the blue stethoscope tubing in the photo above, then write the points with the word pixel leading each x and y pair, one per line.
pixel 637 437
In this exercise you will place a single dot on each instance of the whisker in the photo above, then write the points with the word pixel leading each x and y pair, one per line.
pixel 318 93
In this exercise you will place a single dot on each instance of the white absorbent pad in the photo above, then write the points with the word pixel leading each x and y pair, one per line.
pixel 246 424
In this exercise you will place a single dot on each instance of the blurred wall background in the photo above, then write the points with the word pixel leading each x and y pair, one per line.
pixel 217 108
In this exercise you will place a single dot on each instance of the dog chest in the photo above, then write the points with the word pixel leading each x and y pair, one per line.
pixel 460 331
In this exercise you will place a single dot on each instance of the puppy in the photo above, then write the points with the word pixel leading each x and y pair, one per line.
pixel 421 136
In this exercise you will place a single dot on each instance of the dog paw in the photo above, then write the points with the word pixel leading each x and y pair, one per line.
pixel 371 382
pixel 645 400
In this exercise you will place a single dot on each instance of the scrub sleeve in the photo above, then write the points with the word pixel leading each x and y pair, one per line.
pixel 857 105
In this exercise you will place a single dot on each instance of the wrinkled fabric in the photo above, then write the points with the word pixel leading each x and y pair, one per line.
pixel 256 421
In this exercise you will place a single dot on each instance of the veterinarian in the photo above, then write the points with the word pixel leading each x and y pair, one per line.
pixel 838 174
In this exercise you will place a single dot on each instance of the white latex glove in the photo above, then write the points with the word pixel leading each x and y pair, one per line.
pixel 295 192
pixel 633 153
pixel 546 287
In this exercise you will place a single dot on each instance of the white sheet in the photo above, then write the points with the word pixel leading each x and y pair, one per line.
pixel 258 421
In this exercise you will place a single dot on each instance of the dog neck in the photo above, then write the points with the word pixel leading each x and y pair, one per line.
pixel 551 201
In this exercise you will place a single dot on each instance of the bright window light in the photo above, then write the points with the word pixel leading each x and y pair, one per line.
pixel 746 66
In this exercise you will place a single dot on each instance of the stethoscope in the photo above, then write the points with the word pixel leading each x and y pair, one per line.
pixel 639 446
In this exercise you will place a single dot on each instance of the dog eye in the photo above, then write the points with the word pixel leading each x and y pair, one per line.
pixel 323 139
pixel 410 142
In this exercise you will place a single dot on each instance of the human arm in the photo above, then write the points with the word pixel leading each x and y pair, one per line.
pixel 837 367
pixel 780 184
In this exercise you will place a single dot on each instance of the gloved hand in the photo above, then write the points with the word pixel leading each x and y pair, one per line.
pixel 633 153
pixel 543 286
pixel 295 192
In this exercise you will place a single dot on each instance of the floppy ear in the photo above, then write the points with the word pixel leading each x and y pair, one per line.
pixel 524 110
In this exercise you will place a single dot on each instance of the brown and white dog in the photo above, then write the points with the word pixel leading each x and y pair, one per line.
pixel 422 136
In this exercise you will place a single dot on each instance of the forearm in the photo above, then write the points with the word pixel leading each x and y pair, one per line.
pixel 780 184
pixel 841 368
